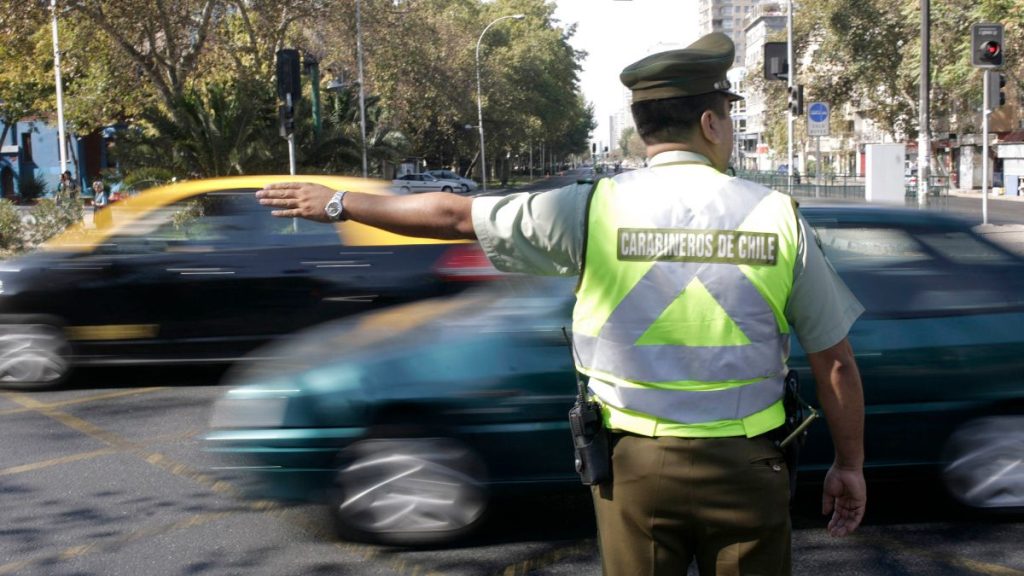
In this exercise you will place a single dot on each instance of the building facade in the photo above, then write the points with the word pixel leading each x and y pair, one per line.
pixel 31 151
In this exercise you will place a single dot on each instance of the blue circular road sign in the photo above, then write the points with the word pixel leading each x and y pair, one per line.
pixel 818 112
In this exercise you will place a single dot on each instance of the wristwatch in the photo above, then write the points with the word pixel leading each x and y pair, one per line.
pixel 335 209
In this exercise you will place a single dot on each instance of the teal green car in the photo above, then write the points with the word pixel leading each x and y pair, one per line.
pixel 410 420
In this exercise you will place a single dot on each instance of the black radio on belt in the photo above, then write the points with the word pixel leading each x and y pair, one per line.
pixel 589 437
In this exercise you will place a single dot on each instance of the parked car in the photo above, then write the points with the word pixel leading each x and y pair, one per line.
pixel 423 182
pixel 468 184
pixel 406 421
pixel 200 272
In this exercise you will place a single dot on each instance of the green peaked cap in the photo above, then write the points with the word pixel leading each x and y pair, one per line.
pixel 697 69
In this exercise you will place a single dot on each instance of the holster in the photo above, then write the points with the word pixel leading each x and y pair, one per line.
pixel 797 411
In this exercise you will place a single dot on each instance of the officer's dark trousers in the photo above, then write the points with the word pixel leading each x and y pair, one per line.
pixel 723 502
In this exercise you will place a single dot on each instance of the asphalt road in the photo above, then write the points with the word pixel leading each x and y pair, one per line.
pixel 113 479
pixel 109 477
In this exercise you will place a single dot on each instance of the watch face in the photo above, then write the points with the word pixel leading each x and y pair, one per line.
pixel 333 208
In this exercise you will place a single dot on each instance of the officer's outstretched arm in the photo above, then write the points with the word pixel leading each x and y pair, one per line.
pixel 431 215
pixel 842 398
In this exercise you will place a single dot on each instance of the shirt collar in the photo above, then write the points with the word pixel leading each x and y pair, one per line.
pixel 677 156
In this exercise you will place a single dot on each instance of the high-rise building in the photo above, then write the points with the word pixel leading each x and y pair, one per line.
pixel 728 17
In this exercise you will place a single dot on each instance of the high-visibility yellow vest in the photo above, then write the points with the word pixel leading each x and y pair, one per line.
pixel 680 314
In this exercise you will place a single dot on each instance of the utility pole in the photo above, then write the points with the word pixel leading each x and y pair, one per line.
pixel 61 135
pixel 924 132
pixel 790 83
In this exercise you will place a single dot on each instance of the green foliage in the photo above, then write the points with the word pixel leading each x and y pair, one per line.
pixel 196 84
pixel 49 218
pixel 31 186
pixel 867 54
pixel 220 130
pixel 144 177
pixel 11 229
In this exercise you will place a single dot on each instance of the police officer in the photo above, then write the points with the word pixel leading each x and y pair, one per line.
pixel 689 282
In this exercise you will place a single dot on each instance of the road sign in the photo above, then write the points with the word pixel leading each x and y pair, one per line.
pixel 817 119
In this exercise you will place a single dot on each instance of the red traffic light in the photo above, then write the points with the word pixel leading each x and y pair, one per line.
pixel 990 50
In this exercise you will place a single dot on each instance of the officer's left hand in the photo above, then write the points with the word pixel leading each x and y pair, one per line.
pixel 297 200
pixel 845 497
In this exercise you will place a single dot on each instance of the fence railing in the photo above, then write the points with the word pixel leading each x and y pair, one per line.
pixel 834 186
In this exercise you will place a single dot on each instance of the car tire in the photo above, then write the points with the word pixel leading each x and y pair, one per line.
pixel 409 491
pixel 33 356
pixel 446 189
pixel 465 189
pixel 406 190
pixel 983 463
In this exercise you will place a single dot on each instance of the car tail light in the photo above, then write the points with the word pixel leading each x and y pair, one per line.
pixel 466 263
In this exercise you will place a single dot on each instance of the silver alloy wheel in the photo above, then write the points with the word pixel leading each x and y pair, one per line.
pixel 985 463
pixel 32 356
pixel 410 491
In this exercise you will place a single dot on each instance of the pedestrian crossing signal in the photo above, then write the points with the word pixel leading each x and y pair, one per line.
pixel 987 45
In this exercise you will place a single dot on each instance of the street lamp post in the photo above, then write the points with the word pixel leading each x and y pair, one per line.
pixel 60 93
pixel 362 100
pixel 479 100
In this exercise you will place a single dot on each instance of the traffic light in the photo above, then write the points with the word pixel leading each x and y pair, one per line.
pixel 776 64
pixel 796 99
pixel 995 97
pixel 288 75
pixel 987 45
pixel 593 147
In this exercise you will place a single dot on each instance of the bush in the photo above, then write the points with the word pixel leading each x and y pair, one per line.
pixel 12 238
pixel 31 186
pixel 143 178
pixel 49 218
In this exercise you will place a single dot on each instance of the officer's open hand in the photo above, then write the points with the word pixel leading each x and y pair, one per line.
pixel 297 200
pixel 845 497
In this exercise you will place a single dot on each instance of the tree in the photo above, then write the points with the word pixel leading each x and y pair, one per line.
pixel 23 70
pixel 228 130
pixel 867 54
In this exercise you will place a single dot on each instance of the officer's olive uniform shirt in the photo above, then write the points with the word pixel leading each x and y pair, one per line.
pixel 542 233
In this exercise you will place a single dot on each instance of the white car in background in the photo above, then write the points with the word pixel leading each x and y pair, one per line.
pixel 468 184
pixel 424 182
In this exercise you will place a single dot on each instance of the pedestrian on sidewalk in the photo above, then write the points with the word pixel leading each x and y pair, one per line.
pixel 99 202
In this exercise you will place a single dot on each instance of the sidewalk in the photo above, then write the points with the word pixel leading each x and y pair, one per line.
pixel 977 194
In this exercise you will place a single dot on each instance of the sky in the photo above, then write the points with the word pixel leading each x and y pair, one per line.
pixel 616 33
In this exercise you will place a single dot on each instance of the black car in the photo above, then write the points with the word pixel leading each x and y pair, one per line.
pixel 200 272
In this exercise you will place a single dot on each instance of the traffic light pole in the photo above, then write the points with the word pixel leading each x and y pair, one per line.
pixel 790 82
pixel 291 139
pixel 985 111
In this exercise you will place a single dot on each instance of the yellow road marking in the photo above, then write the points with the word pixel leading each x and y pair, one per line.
pixel 276 510
pixel 549 558
pixel 81 400
pixel 55 461
pixel 91 454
